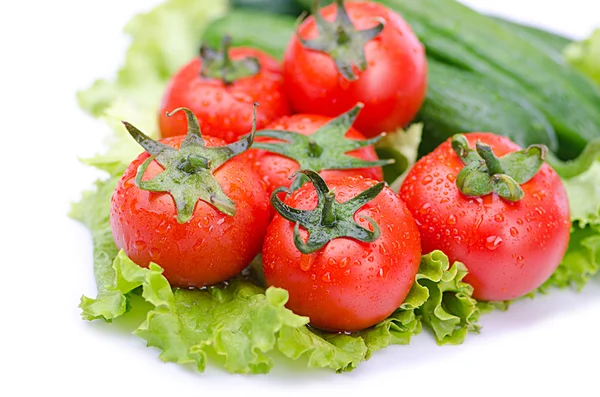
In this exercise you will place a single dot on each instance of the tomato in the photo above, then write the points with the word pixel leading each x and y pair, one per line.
pixel 275 169
pixel 346 285
pixel 225 110
pixel 510 248
pixel 392 86
pixel 208 248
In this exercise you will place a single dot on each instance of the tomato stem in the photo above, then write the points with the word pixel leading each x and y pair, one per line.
pixel 491 161
pixel 219 65
pixel 330 219
pixel 325 149
pixel 341 40
pixel 188 171
pixel 485 173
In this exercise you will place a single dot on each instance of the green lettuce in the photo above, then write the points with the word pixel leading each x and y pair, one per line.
pixel 401 145
pixel 581 179
pixel 585 55
pixel 243 323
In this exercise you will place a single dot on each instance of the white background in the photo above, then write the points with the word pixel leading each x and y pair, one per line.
pixel 548 346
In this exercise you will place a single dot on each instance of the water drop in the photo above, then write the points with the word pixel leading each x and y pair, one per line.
pixel 514 232
pixel 427 180
pixel 424 208
pixel 306 262
pixel 492 242
pixel 451 219
pixel 140 245
pixel 499 218
pixel 345 262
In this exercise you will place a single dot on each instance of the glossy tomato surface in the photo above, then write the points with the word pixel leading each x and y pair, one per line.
pixel 212 246
pixel 275 169
pixel 225 111
pixel 347 285
pixel 392 87
pixel 509 248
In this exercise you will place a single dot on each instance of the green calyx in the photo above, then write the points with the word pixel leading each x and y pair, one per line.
pixel 341 40
pixel 485 173
pixel 218 64
pixel 325 149
pixel 330 219
pixel 188 171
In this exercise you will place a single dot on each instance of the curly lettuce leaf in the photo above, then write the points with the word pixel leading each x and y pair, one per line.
pixel 93 210
pixel 585 55
pixel 162 40
pixel 439 299
pixel 401 145
pixel 450 311
pixel 581 261
pixel 238 322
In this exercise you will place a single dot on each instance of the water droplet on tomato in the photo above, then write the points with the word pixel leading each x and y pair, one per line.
pixel 520 258
pixel 427 180
pixel 424 208
pixel 140 245
pixel 451 177
pixel 306 262
pixel 331 262
pixel 451 220
pixel 345 262
pixel 383 250
pixel 514 232
pixel 499 218
pixel 326 277
pixel 492 242
pixel 163 227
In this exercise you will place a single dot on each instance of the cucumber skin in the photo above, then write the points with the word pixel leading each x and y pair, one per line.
pixel 455 34
pixel 285 7
pixel 268 32
pixel 461 101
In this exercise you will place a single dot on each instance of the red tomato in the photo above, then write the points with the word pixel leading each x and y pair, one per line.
pixel 225 111
pixel 392 87
pixel 347 285
pixel 211 247
pixel 275 169
pixel 510 248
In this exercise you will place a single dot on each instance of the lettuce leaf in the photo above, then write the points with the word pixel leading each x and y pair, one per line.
pixel 162 40
pixel 401 145
pixel 93 210
pixel 585 55
pixel 242 323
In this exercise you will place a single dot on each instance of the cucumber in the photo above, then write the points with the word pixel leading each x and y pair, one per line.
pixel 457 35
pixel 462 101
pixel 550 41
pixel 268 32
pixel 286 7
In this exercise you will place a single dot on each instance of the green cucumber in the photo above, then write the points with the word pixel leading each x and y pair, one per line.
pixel 549 40
pixel 268 32
pixel 462 101
pixel 457 35
pixel 286 7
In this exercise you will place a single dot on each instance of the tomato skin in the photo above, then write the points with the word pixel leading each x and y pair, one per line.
pixel 509 248
pixel 392 87
pixel 347 285
pixel 224 111
pixel 211 247
pixel 275 169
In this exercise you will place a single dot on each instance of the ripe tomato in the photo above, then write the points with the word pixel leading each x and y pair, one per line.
pixel 275 169
pixel 346 285
pixel 209 248
pixel 391 84
pixel 225 110
pixel 510 248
